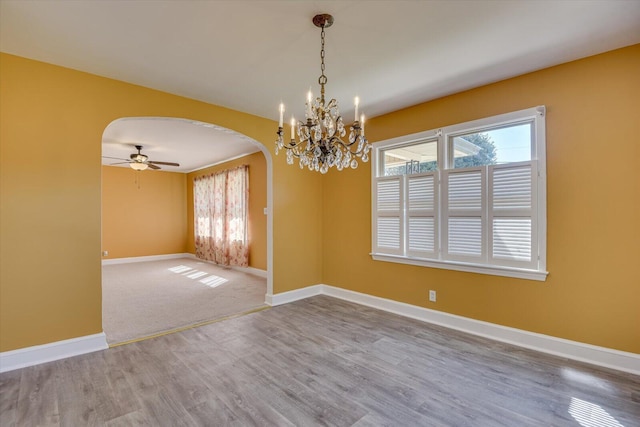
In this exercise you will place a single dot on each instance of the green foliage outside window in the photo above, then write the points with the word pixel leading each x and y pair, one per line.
pixel 486 155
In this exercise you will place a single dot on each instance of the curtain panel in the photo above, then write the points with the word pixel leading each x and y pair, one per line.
pixel 221 202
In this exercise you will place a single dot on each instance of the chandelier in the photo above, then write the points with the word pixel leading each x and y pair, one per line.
pixel 320 145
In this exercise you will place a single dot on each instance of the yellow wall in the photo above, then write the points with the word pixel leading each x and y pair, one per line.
pixel 257 202
pixel 592 293
pixel 143 213
pixel 52 121
pixel 159 206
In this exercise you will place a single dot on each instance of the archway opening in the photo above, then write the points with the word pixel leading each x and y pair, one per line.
pixel 135 230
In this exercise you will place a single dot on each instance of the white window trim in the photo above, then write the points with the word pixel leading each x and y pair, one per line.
pixel 518 273
pixel 442 135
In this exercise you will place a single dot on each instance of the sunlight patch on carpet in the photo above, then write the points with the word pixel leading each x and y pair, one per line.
pixel 180 269
pixel 211 281
pixel 196 275
pixel 214 281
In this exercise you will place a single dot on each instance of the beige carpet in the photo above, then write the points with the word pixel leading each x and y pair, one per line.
pixel 146 298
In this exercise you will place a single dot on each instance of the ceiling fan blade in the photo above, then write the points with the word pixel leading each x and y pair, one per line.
pixel 119 163
pixel 164 163
pixel 115 158
pixel 152 166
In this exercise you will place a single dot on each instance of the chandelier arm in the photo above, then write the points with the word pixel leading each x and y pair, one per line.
pixel 347 145
pixel 337 140
pixel 293 146
pixel 299 144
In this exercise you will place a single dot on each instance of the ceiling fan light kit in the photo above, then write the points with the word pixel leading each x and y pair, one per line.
pixel 139 160
pixel 138 166
pixel 320 145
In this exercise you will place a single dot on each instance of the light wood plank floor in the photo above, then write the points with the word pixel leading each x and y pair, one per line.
pixel 321 361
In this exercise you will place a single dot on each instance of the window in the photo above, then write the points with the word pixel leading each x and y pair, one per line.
pixel 468 197
pixel 416 157
pixel 220 213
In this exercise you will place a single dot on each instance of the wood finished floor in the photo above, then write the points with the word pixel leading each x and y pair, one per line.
pixel 320 361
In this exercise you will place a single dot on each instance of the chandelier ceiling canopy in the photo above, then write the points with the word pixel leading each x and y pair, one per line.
pixel 319 145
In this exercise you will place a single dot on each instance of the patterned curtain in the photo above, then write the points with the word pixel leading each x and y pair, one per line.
pixel 221 204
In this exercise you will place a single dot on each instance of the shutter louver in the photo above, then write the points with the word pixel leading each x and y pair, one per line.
pixel 465 190
pixel 388 222
pixel 389 195
pixel 421 235
pixel 421 192
pixel 511 209
pixel 465 236
pixel 512 188
pixel 464 209
pixel 389 232
pixel 421 215
pixel 512 238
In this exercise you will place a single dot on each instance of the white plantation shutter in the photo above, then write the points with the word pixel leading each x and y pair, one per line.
pixel 512 214
pixel 388 221
pixel 511 239
pixel 463 214
pixel 464 237
pixel 421 214
pixel 487 219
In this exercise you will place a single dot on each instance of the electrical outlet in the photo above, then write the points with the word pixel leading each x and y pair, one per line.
pixel 432 296
pixel 105 253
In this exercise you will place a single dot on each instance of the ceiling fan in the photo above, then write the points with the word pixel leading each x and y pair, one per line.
pixel 140 162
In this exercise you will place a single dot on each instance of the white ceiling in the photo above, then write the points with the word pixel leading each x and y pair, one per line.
pixel 250 55
pixel 194 145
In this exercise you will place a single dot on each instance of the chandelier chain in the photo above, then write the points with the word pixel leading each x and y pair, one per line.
pixel 322 80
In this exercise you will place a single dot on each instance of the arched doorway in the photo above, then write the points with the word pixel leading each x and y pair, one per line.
pixel 160 137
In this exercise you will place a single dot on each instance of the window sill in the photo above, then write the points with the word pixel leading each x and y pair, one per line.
pixel 467 267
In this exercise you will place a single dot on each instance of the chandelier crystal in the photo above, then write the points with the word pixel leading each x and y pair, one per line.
pixel 320 145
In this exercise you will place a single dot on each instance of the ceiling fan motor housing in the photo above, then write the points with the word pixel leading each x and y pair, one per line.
pixel 140 158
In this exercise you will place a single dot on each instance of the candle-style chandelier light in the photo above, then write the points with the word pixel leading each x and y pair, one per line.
pixel 320 145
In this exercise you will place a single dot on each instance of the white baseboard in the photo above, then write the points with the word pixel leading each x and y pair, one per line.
pixel 295 295
pixel 29 356
pixel 601 356
pixel 145 258
pixel 250 270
